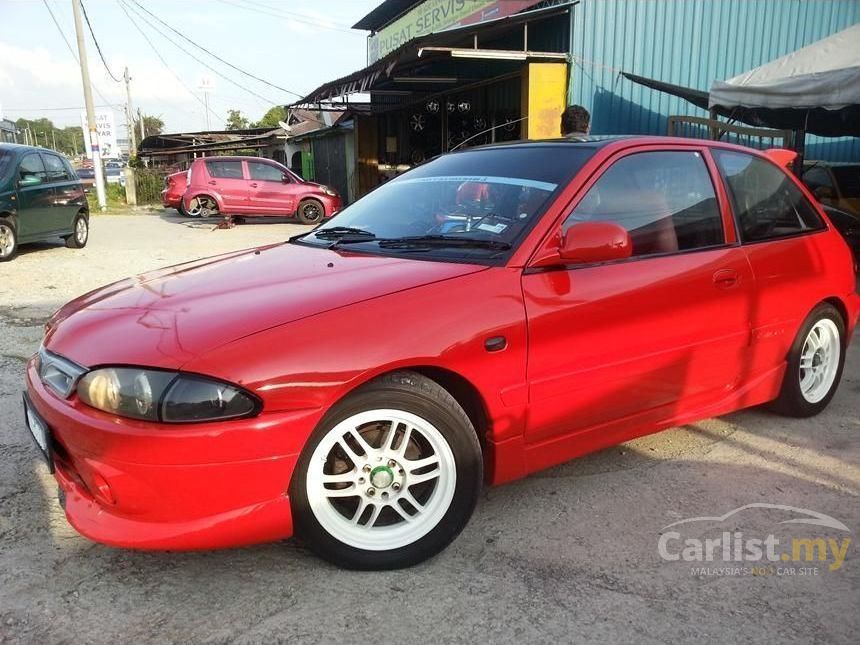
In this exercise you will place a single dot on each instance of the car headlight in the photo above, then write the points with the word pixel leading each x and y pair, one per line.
pixel 329 191
pixel 169 397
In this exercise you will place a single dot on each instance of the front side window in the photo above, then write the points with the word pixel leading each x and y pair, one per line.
pixel 262 171
pixel 32 166
pixel 767 204
pixel 55 168
pixel 224 169
pixel 474 204
pixel 665 201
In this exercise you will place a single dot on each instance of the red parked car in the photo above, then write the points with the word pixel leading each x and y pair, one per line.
pixel 255 186
pixel 591 292
pixel 174 189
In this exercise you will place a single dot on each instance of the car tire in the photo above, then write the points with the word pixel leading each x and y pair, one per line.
pixel 310 211
pixel 8 240
pixel 181 210
pixel 815 364
pixel 371 443
pixel 81 235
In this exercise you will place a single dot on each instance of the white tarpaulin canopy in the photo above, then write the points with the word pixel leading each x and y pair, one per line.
pixel 825 74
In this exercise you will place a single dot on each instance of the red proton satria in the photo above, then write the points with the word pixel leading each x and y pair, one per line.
pixel 255 186
pixel 591 292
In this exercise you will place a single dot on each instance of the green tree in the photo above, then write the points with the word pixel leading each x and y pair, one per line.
pixel 68 140
pixel 235 120
pixel 152 125
pixel 270 119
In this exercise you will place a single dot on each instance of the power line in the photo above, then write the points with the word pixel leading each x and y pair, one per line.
pixel 164 62
pixel 267 10
pixel 215 56
pixel 72 51
pixel 95 40
pixel 206 65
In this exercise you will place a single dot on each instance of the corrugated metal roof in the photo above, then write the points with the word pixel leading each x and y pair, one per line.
pixel 689 43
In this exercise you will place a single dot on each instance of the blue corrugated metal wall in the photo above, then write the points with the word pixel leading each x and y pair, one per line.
pixel 689 43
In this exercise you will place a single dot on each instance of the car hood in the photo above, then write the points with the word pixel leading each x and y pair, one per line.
pixel 167 317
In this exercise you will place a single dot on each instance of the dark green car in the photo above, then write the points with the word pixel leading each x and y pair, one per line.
pixel 41 197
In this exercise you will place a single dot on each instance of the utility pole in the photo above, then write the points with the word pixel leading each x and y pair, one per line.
pixel 140 120
pixel 129 116
pixel 75 143
pixel 54 138
pixel 88 101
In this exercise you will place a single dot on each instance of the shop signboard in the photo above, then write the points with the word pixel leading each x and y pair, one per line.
pixel 437 15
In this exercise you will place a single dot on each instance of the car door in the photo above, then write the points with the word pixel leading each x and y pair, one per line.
pixel 776 226
pixel 226 177
pixel 655 336
pixel 66 193
pixel 35 198
pixel 269 189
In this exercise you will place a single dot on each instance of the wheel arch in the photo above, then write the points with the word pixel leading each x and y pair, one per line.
pixel 188 196
pixel 840 306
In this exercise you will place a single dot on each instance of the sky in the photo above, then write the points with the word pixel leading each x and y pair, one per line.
pixel 293 44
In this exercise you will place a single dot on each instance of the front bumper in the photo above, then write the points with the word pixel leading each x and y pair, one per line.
pixel 153 486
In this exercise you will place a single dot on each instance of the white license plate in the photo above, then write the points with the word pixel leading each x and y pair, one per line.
pixel 39 429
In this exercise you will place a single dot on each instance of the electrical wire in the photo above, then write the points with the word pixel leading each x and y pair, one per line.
pixel 267 10
pixel 73 53
pixel 95 40
pixel 268 101
pixel 164 62
pixel 215 56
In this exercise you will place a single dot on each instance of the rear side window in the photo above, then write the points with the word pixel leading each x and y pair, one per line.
pixel 665 200
pixel 262 171
pixel 56 168
pixel 225 169
pixel 767 204
pixel 32 164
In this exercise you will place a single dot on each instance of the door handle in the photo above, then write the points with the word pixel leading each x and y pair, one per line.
pixel 253 184
pixel 726 278
pixel 213 182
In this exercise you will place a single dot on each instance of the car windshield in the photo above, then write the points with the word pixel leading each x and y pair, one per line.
pixel 848 178
pixel 473 205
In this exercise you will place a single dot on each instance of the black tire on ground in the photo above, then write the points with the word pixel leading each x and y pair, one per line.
pixel 181 210
pixel 8 240
pixel 411 392
pixel 791 401
pixel 81 235
pixel 310 211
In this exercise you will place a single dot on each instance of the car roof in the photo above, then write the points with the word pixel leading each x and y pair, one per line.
pixel 235 158
pixel 20 148
pixel 617 141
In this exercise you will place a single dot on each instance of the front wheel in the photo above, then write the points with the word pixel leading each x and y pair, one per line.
pixel 390 476
pixel 8 240
pixel 815 364
pixel 81 228
pixel 311 211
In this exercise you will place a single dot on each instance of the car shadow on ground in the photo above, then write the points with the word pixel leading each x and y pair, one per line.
pixel 173 216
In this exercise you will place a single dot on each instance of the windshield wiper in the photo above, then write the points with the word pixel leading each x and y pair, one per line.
pixel 337 232
pixel 427 241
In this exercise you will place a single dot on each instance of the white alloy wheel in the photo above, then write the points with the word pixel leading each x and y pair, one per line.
pixel 202 206
pixel 819 360
pixel 81 231
pixel 7 240
pixel 381 479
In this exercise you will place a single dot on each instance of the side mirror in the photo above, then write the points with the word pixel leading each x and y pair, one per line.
pixel 592 242
pixel 285 179
pixel 823 192
pixel 30 180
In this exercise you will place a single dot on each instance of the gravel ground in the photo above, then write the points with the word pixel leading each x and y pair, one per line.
pixel 568 554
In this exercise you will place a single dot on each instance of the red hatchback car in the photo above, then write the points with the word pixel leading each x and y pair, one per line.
pixel 587 293
pixel 255 186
